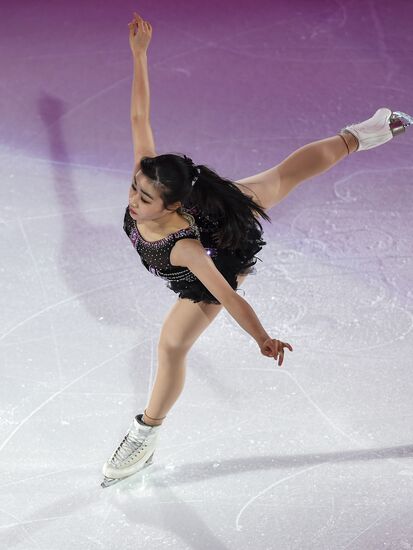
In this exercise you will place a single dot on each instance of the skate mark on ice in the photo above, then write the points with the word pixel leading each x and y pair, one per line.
pixel 59 392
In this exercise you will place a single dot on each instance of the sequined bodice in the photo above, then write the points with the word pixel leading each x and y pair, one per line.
pixel 155 255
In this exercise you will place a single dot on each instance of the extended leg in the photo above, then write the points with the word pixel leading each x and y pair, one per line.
pixel 315 158
pixel 271 186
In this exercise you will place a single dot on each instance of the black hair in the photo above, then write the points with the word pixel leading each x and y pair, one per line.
pixel 218 197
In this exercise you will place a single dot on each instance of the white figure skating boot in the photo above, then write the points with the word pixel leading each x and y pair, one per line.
pixel 381 127
pixel 133 454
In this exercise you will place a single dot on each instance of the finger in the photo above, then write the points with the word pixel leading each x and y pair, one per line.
pixel 287 346
pixel 281 358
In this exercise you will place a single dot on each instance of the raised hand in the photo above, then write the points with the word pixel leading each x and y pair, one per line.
pixel 140 34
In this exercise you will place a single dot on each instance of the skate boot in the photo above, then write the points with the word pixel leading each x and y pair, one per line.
pixel 133 454
pixel 381 127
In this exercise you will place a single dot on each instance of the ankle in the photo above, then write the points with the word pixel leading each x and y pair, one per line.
pixel 151 421
pixel 352 143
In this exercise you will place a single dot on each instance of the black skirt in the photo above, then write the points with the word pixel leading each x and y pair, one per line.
pixel 229 262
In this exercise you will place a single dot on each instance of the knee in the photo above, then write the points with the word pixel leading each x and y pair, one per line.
pixel 172 349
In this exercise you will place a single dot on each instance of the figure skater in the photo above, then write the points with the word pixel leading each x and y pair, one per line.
pixel 200 232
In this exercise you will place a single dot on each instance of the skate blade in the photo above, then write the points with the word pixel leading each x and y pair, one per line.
pixel 405 119
pixel 109 481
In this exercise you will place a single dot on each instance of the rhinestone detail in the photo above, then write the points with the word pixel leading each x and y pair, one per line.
pixel 154 252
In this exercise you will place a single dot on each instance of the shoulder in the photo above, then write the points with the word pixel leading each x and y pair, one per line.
pixel 186 250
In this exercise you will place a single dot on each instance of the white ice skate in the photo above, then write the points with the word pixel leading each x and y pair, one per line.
pixel 381 127
pixel 133 454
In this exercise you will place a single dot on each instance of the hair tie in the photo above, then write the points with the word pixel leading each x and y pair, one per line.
pixel 196 176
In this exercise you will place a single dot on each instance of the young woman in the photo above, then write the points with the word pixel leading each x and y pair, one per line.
pixel 200 232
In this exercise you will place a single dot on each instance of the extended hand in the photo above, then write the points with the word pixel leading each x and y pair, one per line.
pixel 140 34
pixel 271 348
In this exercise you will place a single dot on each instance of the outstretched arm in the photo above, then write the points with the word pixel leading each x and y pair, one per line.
pixel 140 33
pixel 140 96
pixel 191 254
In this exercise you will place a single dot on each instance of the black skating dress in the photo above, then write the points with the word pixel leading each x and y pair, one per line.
pixel 155 255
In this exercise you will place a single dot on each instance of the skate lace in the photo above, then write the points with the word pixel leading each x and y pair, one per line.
pixel 130 443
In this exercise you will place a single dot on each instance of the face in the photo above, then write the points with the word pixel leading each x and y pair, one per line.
pixel 145 200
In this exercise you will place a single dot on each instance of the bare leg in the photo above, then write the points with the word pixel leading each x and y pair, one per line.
pixel 316 157
pixel 271 186
pixel 182 327
pixel 169 382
